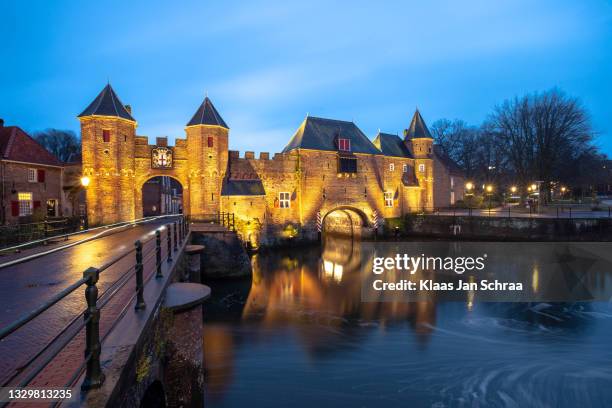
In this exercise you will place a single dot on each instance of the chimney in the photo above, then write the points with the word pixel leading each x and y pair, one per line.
pixel 128 108
pixel 1 123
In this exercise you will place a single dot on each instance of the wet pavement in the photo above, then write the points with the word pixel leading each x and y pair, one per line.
pixel 27 285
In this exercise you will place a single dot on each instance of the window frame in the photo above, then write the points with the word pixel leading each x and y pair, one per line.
pixel 404 168
pixel 388 195
pixel 344 144
pixel 284 199
pixel 422 168
pixel 391 166
pixel 106 136
pixel 347 169
pixel 32 175
pixel 26 205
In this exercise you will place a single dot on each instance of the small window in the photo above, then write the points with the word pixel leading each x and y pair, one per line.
pixel 210 141
pixel 405 168
pixel 388 199
pixel 32 175
pixel 344 145
pixel 452 182
pixel 106 135
pixel 25 204
pixel 284 200
pixel 347 165
pixel 391 167
pixel 421 168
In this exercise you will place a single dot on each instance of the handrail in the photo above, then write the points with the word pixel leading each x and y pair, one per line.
pixel 94 376
pixel 104 227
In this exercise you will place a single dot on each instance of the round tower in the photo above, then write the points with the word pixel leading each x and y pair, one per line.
pixel 420 142
pixel 108 133
pixel 207 149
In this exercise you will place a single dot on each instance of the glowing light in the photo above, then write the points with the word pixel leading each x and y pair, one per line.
pixel 85 181
pixel 469 185
pixel 489 188
pixel 513 189
pixel 534 187
pixel 563 189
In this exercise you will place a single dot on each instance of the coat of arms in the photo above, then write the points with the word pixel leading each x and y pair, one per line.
pixel 161 158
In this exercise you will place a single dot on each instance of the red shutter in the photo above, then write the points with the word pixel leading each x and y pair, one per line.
pixel 106 135
pixel 36 204
pixel 41 176
pixel 210 141
pixel 15 208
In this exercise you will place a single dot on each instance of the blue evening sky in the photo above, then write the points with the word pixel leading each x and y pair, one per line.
pixel 266 65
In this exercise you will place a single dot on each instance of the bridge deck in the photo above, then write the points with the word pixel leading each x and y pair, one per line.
pixel 27 285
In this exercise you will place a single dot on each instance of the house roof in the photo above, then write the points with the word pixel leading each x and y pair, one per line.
pixel 452 167
pixel 418 128
pixel 242 188
pixel 322 134
pixel 391 145
pixel 207 115
pixel 17 145
pixel 107 103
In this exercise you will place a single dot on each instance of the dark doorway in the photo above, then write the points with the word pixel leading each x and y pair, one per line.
pixel 162 195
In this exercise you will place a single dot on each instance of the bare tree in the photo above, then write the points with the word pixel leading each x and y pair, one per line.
pixel 61 143
pixel 540 133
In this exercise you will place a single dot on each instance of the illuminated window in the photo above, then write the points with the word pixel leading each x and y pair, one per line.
pixel 344 145
pixel 388 199
pixel 106 135
pixel 421 168
pixel 391 167
pixel 32 175
pixel 25 204
pixel 284 200
pixel 405 168
pixel 452 182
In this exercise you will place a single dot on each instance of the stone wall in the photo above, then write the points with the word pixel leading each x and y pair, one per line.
pixel 502 228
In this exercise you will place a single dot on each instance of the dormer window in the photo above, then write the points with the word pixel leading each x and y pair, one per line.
pixel 344 145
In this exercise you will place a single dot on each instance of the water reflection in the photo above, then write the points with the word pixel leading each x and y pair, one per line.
pixel 298 334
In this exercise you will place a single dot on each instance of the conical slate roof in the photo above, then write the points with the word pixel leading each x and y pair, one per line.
pixel 207 115
pixel 107 103
pixel 417 128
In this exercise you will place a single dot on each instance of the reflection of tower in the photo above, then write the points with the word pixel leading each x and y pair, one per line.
pixel 207 144
pixel 108 133
pixel 419 141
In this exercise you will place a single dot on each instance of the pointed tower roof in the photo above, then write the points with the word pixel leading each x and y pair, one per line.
pixel 107 103
pixel 207 115
pixel 418 128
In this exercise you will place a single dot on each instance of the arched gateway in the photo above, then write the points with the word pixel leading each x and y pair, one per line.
pixel 328 166
pixel 118 162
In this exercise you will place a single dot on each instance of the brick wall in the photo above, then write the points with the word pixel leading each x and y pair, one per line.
pixel 15 177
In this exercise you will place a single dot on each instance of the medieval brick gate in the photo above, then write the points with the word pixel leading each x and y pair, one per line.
pixel 118 162
pixel 330 176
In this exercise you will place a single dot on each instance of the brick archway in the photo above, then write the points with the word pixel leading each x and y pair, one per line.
pixel 345 220
pixel 142 179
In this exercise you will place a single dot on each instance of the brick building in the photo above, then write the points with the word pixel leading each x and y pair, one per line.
pixel 329 171
pixel 30 177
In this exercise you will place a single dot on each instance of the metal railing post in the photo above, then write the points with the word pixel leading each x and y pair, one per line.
pixel 140 303
pixel 169 239
pixel 94 377
pixel 158 273
pixel 175 238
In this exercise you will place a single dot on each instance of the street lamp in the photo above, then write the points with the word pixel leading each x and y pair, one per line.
pixel 513 189
pixel 85 181
pixel 469 186
pixel 533 187
pixel 489 188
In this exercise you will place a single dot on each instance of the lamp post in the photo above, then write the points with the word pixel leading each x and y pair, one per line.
pixel 489 192
pixel 85 183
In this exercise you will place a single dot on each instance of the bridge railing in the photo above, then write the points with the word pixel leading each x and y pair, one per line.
pixel 226 219
pixel 175 235
pixel 19 233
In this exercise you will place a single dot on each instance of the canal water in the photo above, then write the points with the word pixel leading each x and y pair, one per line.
pixel 298 335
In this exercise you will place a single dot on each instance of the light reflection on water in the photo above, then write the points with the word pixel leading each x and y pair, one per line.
pixel 297 334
